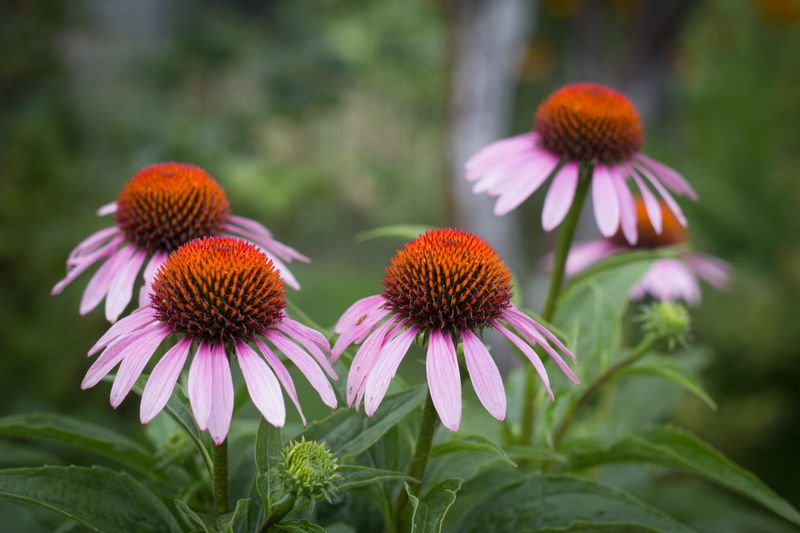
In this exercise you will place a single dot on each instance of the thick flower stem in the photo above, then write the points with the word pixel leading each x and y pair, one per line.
pixel 565 237
pixel 641 349
pixel 418 462
pixel 221 477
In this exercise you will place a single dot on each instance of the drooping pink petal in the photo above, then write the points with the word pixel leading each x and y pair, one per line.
pixel 650 202
pixel 310 333
pixel 283 270
pixel 669 176
pixel 444 381
pixel 670 201
pixel 364 360
pixel 605 201
pixel 384 370
pixel 201 377
pixel 712 269
pixel 544 331
pixel 497 151
pixel 261 384
pixel 627 206
pixel 559 196
pixel 669 279
pixel 500 175
pixel 276 247
pixel 583 255
pixel 153 265
pixel 113 354
pixel 310 346
pixel 251 225
pixel 305 363
pixel 484 375
pixel 162 380
pixel 92 243
pixel 530 354
pixel 107 209
pixel 219 419
pixel 532 336
pixel 283 376
pixel 359 332
pixel 134 363
pixel 130 323
pixel 98 286
pixel 535 174
pixel 356 313
pixel 121 288
pixel 84 262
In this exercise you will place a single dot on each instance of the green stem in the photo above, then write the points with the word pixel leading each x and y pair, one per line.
pixel 645 346
pixel 566 235
pixel 221 477
pixel 279 513
pixel 418 462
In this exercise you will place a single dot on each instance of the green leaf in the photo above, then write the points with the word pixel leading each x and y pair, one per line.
pixel 298 526
pixel 401 231
pixel 429 511
pixel 97 497
pixel 237 519
pixel 670 370
pixel 269 445
pixel 196 521
pixel 74 432
pixel 470 443
pixel 563 503
pixel 348 433
pixel 353 476
pixel 675 448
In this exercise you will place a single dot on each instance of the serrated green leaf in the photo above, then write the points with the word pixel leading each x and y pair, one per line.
pixel 298 526
pixel 430 510
pixel 470 443
pixel 563 503
pixel 354 476
pixel 74 432
pixel 96 497
pixel 675 448
pixel 348 433
pixel 400 231
pixel 670 370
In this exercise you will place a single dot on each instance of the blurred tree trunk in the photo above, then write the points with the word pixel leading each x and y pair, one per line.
pixel 486 38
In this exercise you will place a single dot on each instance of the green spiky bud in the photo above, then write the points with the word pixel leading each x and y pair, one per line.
pixel 669 321
pixel 309 468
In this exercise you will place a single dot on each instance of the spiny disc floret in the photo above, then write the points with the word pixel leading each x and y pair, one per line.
pixel 448 279
pixel 218 288
pixel 589 122
pixel 167 204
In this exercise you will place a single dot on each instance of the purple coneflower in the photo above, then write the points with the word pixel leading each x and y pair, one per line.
pixel 667 279
pixel 588 124
pixel 447 285
pixel 162 207
pixel 223 297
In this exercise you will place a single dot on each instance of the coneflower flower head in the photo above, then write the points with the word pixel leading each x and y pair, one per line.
pixel 580 124
pixel 161 208
pixel 448 286
pixel 222 296
pixel 668 278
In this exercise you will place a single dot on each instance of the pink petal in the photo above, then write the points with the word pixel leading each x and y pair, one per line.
pixel 670 201
pixel 134 363
pixel 499 176
pixel 384 370
pixel 484 375
pixel 251 225
pixel 522 323
pixel 669 279
pixel 261 384
pixel 544 331
pixel 162 380
pixel 283 376
pixel 153 265
pixel 219 419
pixel 310 333
pixel 712 269
pixel 497 151
pixel 84 262
pixel 310 347
pixel 530 354
pixel 559 196
pixel 101 281
pixel 670 177
pixel 130 323
pixel 107 209
pixel 92 243
pixel 356 313
pixel 200 382
pixel 627 207
pixel 650 202
pixel 112 355
pixel 276 247
pixel 121 289
pixel 536 173
pixel 305 364
pixel 283 270
pixel 583 255
pixel 365 359
pixel 358 333
pixel 605 202
pixel 444 381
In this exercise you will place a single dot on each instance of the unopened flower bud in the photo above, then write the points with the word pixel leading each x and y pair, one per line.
pixel 309 468
pixel 669 321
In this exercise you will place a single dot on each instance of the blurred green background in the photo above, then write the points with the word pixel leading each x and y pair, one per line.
pixel 324 118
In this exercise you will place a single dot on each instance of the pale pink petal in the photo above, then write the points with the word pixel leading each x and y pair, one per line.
pixel 583 255
pixel 85 262
pixel 670 201
pixel 669 176
pixel 201 378
pixel 121 289
pixel 98 286
pixel 365 359
pixel 522 323
pixel 153 265
pixel 311 347
pixel 356 313
pixel 535 174
pixel 251 225
pixel 276 247
pixel 384 370
pixel 309 332
pixel 219 419
pixel 283 376
pixel 605 201
pixel 162 380
pixel 530 354
pixel 113 354
pixel 544 331
pixel 650 202
pixel 92 243
pixel 283 270
pixel 130 323
pixel 484 375
pixel 559 196
pixel 627 207
pixel 444 381
pixel 358 333
pixel 306 364
pixel 134 363
pixel 497 151
pixel 669 279
pixel 499 176
pixel 712 269
pixel 261 384
pixel 107 209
